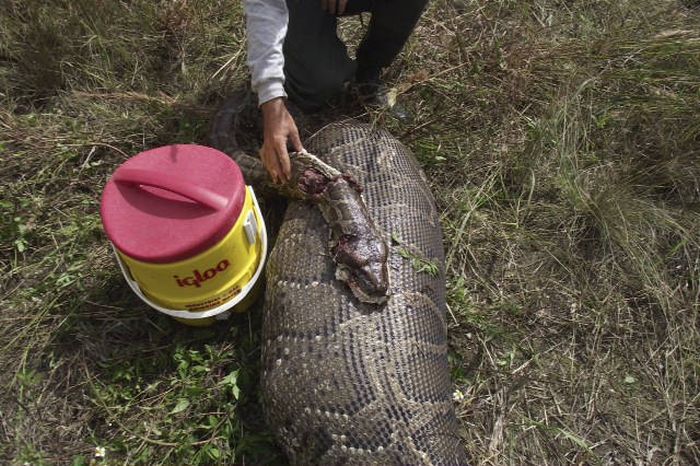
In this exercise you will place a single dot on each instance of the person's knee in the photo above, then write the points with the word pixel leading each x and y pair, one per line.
pixel 322 79
pixel 314 87
pixel 328 82
pixel 418 5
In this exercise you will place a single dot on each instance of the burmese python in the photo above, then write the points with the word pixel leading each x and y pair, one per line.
pixel 346 381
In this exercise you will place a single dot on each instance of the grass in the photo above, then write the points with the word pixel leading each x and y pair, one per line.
pixel 562 140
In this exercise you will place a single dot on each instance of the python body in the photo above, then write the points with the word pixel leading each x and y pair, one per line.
pixel 346 381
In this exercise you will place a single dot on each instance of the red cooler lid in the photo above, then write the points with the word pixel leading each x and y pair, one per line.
pixel 173 202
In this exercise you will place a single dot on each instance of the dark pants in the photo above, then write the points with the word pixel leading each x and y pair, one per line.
pixel 317 64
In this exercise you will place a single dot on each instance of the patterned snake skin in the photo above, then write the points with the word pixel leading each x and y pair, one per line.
pixel 352 383
pixel 345 381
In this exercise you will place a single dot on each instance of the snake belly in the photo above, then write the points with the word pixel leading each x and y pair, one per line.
pixel 346 382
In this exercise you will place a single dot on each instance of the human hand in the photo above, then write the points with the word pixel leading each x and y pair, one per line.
pixel 279 129
pixel 334 7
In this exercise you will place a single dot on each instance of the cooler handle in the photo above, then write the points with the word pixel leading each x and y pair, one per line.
pixel 173 184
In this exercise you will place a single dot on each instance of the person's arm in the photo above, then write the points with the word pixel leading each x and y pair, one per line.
pixel 266 29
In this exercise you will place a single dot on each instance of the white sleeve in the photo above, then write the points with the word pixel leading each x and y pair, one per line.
pixel 266 30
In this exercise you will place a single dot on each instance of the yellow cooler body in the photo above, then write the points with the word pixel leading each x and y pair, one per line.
pixel 199 290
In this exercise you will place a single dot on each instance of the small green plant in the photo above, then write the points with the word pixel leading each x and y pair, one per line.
pixel 419 263
pixel 22 228
pixel 28 454
pixel 191 422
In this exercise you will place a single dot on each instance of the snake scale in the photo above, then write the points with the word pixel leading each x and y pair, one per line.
pixel 346 381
